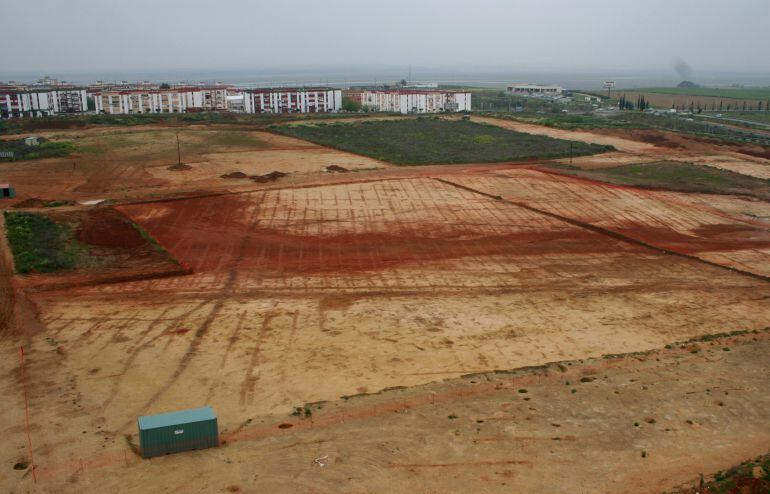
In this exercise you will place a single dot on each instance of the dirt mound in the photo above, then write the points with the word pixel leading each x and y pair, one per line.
pixel 756 151
pixel 657 139
pixel 108 228
pixel 179 167
pixel 234 175
pixel 336 169
pixel 32 202
pixel 268 177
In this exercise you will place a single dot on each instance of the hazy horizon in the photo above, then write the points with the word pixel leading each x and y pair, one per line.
pixel 576 44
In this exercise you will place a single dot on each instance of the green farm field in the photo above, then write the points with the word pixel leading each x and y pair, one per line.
pixel 682 177
pixel 733 93
pixel 424 141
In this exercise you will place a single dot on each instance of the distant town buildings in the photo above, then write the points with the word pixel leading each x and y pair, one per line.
pixel 413 100
pixel 536 90
pixel 51 97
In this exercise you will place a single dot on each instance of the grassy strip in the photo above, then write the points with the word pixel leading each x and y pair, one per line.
pixel 46 149
pixel 728 93
pixel 683 177
pixel 38 244
pixel 426 140
pixel 149 238
pixel 21 125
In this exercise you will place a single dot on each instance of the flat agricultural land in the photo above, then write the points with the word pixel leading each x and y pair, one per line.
pixel 678 176
pixel 759 93
pixel 486 328
pixel 433 140
pixel 711 100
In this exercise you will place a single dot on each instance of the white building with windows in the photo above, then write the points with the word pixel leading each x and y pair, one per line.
pixel 414 100
pixel 21 101
pixel 117 101
pixel 292 100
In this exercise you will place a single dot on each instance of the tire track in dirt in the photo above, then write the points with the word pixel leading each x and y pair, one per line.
pixel 139 346
pixel 606 231
pixel 246 396
pixel 216 309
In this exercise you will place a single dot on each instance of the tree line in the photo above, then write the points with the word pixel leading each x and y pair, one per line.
pixel 642 104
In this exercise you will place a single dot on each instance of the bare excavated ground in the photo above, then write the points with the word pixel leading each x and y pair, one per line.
pixel 346 284
pixel 133 163
pixel 648 146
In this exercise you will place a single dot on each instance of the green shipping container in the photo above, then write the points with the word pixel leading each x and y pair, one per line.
pixel 178 431
pixel 7 191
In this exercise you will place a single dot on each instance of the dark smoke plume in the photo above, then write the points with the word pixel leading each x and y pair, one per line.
pixel 682 68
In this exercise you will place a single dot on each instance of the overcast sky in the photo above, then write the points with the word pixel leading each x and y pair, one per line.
pixel 109 35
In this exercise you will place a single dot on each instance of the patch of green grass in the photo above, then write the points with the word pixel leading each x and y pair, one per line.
pixel 430 140
pixel 759 93
pixel 756 116
pixel 145 235
pixel 677 176
pixel 21 125
pixel 39 244
pixel 739 478
pixel 46 149
pixel 580 121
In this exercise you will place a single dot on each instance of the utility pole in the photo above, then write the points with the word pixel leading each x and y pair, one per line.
pixel 178 150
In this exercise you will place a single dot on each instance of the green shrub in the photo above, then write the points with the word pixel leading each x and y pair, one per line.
pixel 38 244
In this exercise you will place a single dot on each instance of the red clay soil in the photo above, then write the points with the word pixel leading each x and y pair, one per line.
pixel 656 138
pixel 113 251
pixel 273 250
pixel 696 144
pixel 108 228
pixel 721 237
pixel 217 238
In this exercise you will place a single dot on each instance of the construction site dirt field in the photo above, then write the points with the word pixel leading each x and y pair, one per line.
pixel 310 296
pixel 129 163
pixel 642 146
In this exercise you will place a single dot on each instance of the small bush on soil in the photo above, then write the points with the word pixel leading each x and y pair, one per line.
pixel 38 244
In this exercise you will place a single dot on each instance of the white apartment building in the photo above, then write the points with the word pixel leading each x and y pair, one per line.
pixel 292 100
pixel 19 101
pixel 117 101
pixel 414 100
